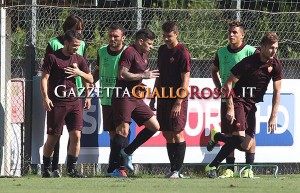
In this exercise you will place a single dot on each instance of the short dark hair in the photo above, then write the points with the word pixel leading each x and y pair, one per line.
pixel 116 26
pixel 144 34
pixel 170 26
pixel 269 38
pixel 71 34
pixel 235 23
pixel 73 21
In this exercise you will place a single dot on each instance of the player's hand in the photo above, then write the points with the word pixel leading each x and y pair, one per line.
pixel 272 124
pixel 175 112
pixel 73 71
pixel 150 74
pixel 47 104
pixel 152 104
pixel 87 103
pixel 230 115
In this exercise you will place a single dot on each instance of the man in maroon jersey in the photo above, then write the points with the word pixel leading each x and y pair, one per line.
pixel 174 64
pixel 251 77
pixel 59 92
pixel 133 68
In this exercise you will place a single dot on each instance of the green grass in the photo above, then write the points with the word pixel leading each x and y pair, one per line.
pixel 265 184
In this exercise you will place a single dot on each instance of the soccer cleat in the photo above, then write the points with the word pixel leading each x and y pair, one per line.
pixel 211 172
pixel 173 174
pixel 128 160
pixel 117 174
pixel 56 174
pixel 247 173
pixel 212 143
pixel 228 173
pixel 73 173
pixel 46 173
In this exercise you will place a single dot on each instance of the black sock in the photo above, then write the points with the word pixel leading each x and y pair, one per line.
pixel 179 154
pixel 110 164
pixel 250 158
pixel 71 162
pixel 227 149
pixel 116 146
pixel 55 163
pixel 230 160
pixel 171 153
pixel 140 139
pixel 221 137
pixel 122 161
pixel 46 162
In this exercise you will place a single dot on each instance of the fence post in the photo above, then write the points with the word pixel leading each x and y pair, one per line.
pixel 139 5
pixel 29 69
pixel 238 7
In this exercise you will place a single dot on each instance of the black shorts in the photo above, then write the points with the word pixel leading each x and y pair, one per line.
pixel 108 121
pixel 164 108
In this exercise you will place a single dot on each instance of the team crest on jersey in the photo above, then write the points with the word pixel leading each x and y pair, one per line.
pixel 171 60
pixel 270 68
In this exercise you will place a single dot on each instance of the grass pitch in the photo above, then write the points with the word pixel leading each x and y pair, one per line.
pixel 265 184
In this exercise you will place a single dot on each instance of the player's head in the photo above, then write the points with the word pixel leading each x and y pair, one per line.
pixel 144 40
pixel 73 22
pixel 269 45
pixel 236 33
pixel 116 36
pixel 170 33
pixel 72 40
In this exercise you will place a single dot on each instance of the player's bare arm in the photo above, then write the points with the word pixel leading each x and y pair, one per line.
pixel 96 74
pixel 272 123
pixel 177 106
pixel 47 103
pixel 152 101
pixel 124 74
pixel 230 108
pixel 215 74
pixel 87 100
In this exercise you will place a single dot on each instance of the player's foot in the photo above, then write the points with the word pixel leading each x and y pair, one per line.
pixel 75 174
pixel 173 174
pixel 46 173
pixel 228 173
pixel 212 142
pixel 128 160
pixel 117 174
pixel 56 174
pixel 247 173
pixel 211 172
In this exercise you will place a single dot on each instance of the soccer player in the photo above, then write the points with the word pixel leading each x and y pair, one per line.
pixel 72 22
pixel 226 57
pixel 174 64
pixel 133 68
pixel 107 72
pixel 254 71
pixel 58 87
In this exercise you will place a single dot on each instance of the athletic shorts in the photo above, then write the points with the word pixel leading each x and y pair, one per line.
pixel 71 116
pixel 245 117
pixel 130 107
pixel 164 108
pixel 108 121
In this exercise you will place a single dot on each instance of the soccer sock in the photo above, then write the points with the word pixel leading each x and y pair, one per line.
pixel 230 160
pixel 55 156
pixel 179 154
pixel 250 158
pixel 221 137
pixel 122 161
pixel 116 146
pixel 171 153
pixel 71 162
pixel 46 162
pixel 140 139
pixel 110 164
pixel 227 149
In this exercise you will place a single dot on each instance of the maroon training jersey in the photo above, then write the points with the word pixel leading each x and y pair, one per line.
pixel 54 65
pixel 171 63
pixel 136 63
pixel 254 73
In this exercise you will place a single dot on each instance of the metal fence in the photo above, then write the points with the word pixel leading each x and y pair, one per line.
pixel 27 29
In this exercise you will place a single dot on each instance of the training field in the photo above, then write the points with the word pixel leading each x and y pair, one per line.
pixel 265 184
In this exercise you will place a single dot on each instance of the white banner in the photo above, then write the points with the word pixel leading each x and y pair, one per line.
pixel 203 114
